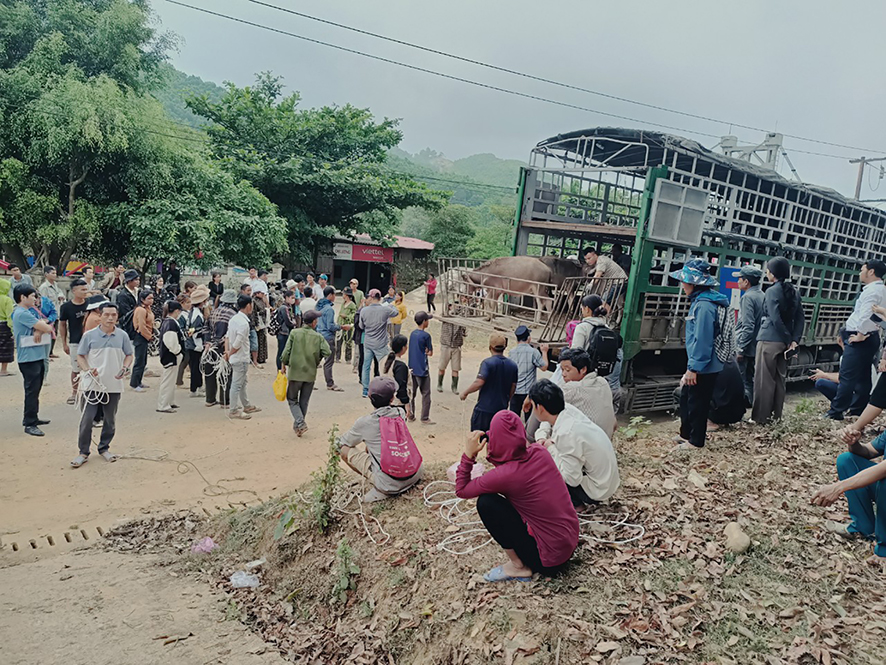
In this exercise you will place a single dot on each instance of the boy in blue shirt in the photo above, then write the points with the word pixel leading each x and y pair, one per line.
pixel 496 381
pixel 420 348
pixel 32 337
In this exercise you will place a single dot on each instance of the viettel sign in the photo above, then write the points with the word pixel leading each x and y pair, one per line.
pixel 374 254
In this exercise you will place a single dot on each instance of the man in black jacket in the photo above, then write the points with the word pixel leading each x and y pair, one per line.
pixel 127 300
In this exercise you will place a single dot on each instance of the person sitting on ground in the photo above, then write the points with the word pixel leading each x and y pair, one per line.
pixel 586 391
pixel 582 451
pixel 522 500
pixel 496 381
pixel 305 348
pixel 827 382
pixel 399 371
pixel 367 429
pixel 864 484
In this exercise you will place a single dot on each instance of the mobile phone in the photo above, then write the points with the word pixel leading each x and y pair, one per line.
pixel 876 318
pixel 790 353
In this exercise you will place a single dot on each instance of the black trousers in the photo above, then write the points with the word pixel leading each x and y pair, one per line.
pixel 108 428
pixel 431 306
pixel 481 420
pixel 223 397
pixel 140 349
pixel 508 529
pixel 194 358
pixel 516 405
pixel 32 373
pixel 695 403
pixel 854 388
pixel 281 344
pixel 579 496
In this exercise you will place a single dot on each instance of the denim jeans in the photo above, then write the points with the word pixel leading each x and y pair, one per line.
pixel 368 355
pixel 867 505
pixel 298 394
pixel 239 373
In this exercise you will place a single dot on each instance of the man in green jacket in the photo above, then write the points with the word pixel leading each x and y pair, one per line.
pixel 301 357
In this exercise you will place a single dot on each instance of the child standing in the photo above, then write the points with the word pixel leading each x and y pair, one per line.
pixel 420 348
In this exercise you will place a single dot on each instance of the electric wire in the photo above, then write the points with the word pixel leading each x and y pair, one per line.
pixel 543 79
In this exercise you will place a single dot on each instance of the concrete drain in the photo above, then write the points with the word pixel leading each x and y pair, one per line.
pixel 46 543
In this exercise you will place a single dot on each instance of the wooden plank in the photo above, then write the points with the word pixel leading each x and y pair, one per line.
pixel 591 229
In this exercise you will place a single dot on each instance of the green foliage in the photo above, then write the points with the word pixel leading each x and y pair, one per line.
pixel 91 163
pixel 177 87
pixel 327 481
pixel 345 573
pixel 451 229
pixel 637 426
pixel 324 168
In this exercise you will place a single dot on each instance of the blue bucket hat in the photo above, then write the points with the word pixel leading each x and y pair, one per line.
pixel 695 271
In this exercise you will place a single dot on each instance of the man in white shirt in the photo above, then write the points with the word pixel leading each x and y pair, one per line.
pixel 237 353
pixel 861 341
pixel 582 451
pixel 309 302
pixel 586 391
pixel 104 355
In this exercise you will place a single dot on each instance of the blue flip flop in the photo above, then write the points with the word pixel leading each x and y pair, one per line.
pixel 497 574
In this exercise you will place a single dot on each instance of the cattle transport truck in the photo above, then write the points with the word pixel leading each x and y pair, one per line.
pixel 666 199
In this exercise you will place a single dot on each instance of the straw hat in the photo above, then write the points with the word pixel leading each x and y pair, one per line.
pixel 199 294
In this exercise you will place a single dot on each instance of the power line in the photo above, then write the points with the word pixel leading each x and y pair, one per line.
pixel 542 79
pixel 450 77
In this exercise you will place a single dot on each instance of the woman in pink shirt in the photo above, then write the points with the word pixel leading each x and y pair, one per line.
pixel 523 501
pixel 431 290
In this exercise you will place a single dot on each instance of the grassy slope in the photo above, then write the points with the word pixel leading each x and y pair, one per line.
pixel 799 595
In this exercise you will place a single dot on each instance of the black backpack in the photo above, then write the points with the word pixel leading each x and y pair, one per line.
pixel 603 348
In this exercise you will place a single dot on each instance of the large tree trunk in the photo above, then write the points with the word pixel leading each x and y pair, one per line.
pixel 73 181
pixel 15 255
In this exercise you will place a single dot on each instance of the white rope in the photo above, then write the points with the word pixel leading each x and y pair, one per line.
pixel 343 500
pixel 97 394
pixel 214 363
pixel 614 523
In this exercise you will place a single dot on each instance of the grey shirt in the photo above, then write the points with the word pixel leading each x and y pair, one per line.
pixel 374 319
pixel 750 315
pixel 773 328
pixel 368 430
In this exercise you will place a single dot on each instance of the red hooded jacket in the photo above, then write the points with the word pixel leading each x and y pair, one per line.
pixel 530 480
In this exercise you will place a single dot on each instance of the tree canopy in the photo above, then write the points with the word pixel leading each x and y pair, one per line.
pixel 324 168
pixel 92 165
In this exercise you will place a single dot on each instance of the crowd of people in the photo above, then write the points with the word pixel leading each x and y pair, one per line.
pixel 549 440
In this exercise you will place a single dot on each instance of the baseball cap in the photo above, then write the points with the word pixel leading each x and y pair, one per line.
pixel 383 386
pixel 311 315
pixel 374 293
pixel 749 272
pixel 421 317
pixel 498 342
pixel 521 330
pixel 323 276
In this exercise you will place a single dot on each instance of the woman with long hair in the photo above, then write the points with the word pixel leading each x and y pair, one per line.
pixel 431 291
pixel 396 368
pixel 780 332
pixel 171 343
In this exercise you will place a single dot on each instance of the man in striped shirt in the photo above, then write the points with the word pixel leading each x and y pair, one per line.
pixel 214 331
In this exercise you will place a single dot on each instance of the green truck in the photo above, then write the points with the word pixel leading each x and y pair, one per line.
pixel 665 199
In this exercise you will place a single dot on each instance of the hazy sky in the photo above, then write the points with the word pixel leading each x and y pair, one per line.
pixel 813 68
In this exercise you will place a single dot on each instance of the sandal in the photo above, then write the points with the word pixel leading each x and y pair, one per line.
pixel 79 461
pixel 71 399
pixel 498 574
pixel 335 389
pixel 109 456
pixel 252 409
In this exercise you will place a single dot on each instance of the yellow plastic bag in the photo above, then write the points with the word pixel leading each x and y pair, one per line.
pixel 280 385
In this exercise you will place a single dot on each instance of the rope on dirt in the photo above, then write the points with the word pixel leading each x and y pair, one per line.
pixel 344 500
pixel 184 466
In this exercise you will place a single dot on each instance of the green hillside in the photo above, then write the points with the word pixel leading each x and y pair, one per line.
pixel 180 86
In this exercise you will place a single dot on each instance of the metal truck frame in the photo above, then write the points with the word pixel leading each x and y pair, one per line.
pixel 666 199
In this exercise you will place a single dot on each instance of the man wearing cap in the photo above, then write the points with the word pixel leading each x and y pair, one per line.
pixel 323 281
pixel 218 380
pixel 529 360
pixel 750 313
pixel 305 349
pixel 496 381
pixel 127 301
pixel 703 366
pixel 374 320
pixel 420 348
pixel 367 429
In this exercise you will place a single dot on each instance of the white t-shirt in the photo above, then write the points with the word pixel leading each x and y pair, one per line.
pixel 307 304
pixel 238 338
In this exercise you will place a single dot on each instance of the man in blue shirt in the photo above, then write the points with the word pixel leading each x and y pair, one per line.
pixel 327 327
pixel 32 340
pixel 496 381
pixel 420 347
pixel 529 360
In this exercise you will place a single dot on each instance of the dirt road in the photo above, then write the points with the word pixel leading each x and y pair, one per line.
pixel 40 495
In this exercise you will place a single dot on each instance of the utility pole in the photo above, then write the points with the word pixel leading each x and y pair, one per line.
pixel 861 164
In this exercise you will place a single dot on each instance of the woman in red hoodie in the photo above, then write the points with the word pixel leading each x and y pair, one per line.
pixel 523 501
